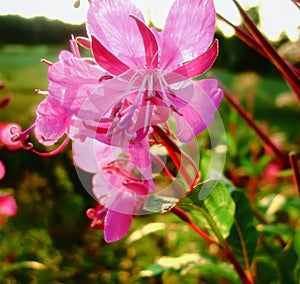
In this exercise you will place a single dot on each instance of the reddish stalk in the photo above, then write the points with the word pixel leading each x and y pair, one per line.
pixel 290 76
pixel 176 155
pixel 265 138
pixel 295 168
pixel 183 216
pixel 225 247
pixel 247 38
pixel 231 257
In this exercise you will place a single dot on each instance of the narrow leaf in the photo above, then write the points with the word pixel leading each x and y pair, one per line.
pixel 243 235
pixel 218 205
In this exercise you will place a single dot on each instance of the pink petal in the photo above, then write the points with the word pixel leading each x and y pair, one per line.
pixel 8 206
pixel 110 23
pixel 107 95
pixel 83 41
pixel 106 187
pixel 84 155
pixel 91 155
pixel 2 170
pixel 140 155
pixel 190 28
pixel 196 105
pixel 116 226
pixel 106 59
pixel 72 80
pixel 51 122
pixel 150 44
pixel 195 67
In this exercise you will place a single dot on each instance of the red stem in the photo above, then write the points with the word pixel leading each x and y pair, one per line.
pixel 247 38
pixel 183 216
pixel 175 154
pixel 295 169
pixel 290 76
pixel 265 138
pixel 231 257
pixel 225 247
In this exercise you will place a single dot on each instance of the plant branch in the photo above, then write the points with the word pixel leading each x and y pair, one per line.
pixel 295 169
pixel 183 216
pixel 290 76
pixel 265 138
pixel 176 155
pixel 224 246
pixel 247 38
pixel 231 257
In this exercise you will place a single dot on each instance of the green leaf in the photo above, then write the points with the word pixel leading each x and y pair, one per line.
pixel 281 230
pixel 243 235
pixel 153 270
pixel 218 208
pixel 158 203
pixel 287 262
pixel 297 242
pixel 219 270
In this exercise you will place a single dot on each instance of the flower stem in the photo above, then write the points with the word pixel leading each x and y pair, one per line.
pixel 265 138
pixel 295 169
pixel 290 76
pixel 224 246
pixel 183 216
pixel 176 155
pixel 231 257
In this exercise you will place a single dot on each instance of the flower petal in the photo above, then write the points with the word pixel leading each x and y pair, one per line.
pixel 196 105
pixel 150 43
pixel 84 155
pixel 51 122
pixel 107 95
pixel 116 225
pixel 106 59
pixel 195 67
pixel 2 170
pixel 140 155
pixel 71 82
pixel 190 25
pixel 8 206
pixel 110 23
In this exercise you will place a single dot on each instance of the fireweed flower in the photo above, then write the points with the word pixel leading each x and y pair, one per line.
pixel 148 70
pixel 114 102
pixel 136 78
pixel 119 191
pixel 8 206
pixel 70 75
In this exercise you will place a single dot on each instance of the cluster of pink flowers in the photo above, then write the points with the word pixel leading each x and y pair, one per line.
pixel 8 206
pixel 111 105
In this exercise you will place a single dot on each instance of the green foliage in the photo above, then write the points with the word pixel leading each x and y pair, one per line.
pixel 217 209
pixel 243 234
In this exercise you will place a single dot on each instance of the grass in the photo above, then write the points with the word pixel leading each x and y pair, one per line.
pixel 22 72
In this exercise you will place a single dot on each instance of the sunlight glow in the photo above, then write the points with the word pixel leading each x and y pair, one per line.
pixel 53 9
pixel 277 17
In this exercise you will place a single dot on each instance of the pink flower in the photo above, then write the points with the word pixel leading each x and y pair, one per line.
pixel 71 80
pixel 150 70
pixel 2 170
pixel 8 207
pixel 116 187
pixel 5 136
